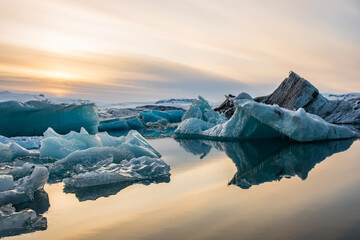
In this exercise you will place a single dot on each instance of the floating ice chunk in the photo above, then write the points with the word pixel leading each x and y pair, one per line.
pixel 201 109
pixel 134 170
pixel 139 146
pixel 144 119
pixel 14 223
pixel 32 118
pixel 82 161
pixel 34 182
pixel 10 151
pixel 121 124
pixel 192 126
pixel 25 187
pixel 19 171
pixel 25 142
pixel 171 116
pixel 253 120
pixel 59 146
pixel 6 183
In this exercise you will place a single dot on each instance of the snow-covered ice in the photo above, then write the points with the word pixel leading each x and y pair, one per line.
pixel 253 120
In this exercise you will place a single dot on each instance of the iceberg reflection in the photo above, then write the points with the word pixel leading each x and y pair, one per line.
pixel 263 161
pixel 95 192
pixel 25 217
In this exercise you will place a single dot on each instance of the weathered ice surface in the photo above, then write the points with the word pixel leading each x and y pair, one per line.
pixel 295 92
pixel 253 120
pixel 136 169
pixel 32 118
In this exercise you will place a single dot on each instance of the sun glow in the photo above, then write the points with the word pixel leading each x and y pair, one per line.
pixel 59 75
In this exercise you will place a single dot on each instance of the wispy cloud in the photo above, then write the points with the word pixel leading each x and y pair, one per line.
pixel 168 48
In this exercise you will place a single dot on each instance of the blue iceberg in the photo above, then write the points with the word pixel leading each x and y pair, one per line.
pixel 32 118
pixel 122 124
pixel 145 119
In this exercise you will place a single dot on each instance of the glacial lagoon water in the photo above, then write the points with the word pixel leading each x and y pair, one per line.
pixel 219 190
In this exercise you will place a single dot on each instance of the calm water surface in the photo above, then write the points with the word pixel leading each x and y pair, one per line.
pixel 249 190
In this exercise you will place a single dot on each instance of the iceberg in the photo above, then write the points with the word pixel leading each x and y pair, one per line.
pixel 296 92
pixel 253 120
pixel 14 223
pixel 136 169
pixel 121 124
pixel 25 142
pixel 201 109
pixel 86 160
pixel 11 151
pixel 59 146
pixel 32 118
pixel 23 189
pixel 145 119
pixel 170 116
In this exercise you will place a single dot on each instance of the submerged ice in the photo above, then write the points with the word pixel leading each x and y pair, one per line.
pixel 253 120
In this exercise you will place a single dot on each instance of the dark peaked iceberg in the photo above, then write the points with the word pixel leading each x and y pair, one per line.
pixel 296 92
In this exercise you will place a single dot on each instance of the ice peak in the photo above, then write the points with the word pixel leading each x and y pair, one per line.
pixel 294 75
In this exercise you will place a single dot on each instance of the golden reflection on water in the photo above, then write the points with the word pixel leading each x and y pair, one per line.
pixel 198 204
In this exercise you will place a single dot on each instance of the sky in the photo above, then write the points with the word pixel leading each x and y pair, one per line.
pixel 137 50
